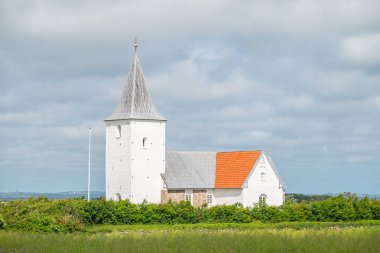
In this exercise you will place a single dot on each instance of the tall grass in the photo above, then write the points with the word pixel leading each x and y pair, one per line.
pixel 264 240
pixel 293 225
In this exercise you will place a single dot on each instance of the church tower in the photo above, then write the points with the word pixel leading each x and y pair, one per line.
pixel 135 143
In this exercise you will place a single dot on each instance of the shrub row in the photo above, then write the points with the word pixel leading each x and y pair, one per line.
pixel 42 214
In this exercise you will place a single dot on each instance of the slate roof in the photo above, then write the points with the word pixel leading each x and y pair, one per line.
pixel 135 102
pixel 232 168
pixel 190 170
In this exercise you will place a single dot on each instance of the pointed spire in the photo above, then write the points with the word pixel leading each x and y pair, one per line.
pixel 135 102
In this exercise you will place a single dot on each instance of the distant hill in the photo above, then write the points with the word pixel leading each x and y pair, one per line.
pixel 56 195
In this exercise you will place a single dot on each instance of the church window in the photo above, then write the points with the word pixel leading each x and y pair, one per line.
pixel 118 132
pixel 262 176
pixel 189 195
pixel 263 198
pixel 144 142
pixel 209 199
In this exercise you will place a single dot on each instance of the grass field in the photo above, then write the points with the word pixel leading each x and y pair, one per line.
pixel 200 238
pixel 294 225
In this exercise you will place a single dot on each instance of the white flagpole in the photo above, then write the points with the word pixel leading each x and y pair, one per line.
pixel 89 165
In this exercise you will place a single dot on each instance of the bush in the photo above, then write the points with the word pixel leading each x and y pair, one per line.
pixel 227 214
pixel 39 215
pixel 70 215
pixel 375 209
pixel 2 223
pixel 363 209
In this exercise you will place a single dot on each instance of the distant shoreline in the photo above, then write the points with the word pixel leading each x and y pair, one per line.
pixel 98 194
pixel 55 195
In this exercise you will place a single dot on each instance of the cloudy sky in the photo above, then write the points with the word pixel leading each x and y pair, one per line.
pixel 299 79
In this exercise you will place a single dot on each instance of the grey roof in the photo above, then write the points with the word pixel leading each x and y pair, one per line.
pixel 192 170
pixel 135 102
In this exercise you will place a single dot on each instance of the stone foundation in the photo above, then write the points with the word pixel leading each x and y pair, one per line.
pixel 174 195
pixel 199 196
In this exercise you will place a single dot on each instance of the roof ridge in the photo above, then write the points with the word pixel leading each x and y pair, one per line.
pixel 238 151
pixel 192 151
pixel 241 151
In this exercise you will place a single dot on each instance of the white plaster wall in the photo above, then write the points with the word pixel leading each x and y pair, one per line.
pixel 147 162
pixel 227 196
pixel 132 170
pixel 268 185
pixel 118 159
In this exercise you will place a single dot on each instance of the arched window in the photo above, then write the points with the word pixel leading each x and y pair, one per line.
pixel 118 132
pixel 144 142
pixel 263 198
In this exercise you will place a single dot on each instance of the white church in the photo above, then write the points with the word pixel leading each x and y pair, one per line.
pixel 139 168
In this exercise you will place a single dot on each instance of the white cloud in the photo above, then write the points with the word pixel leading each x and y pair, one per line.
pixel 160 20
pixel 191 80
pixel 361 49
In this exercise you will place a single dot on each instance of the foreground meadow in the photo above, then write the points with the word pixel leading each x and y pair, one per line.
pixel 341 223
pixel 198 239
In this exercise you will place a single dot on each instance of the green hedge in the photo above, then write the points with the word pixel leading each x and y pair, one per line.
pixel 44 215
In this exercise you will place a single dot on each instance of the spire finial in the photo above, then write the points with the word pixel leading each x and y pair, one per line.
pixel 135 44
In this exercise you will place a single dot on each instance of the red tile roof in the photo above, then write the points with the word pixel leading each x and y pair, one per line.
pixel 232 168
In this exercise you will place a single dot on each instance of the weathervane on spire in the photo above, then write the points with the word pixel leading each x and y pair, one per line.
pixel 135 44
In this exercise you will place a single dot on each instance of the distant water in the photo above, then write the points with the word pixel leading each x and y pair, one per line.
pixel 56 195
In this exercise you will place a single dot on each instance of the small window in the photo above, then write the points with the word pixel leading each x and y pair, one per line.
pixel 262 176
pixel 263 198
pixel 209 199
pixel 145 142
pixel 188 197
pixel 118 132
